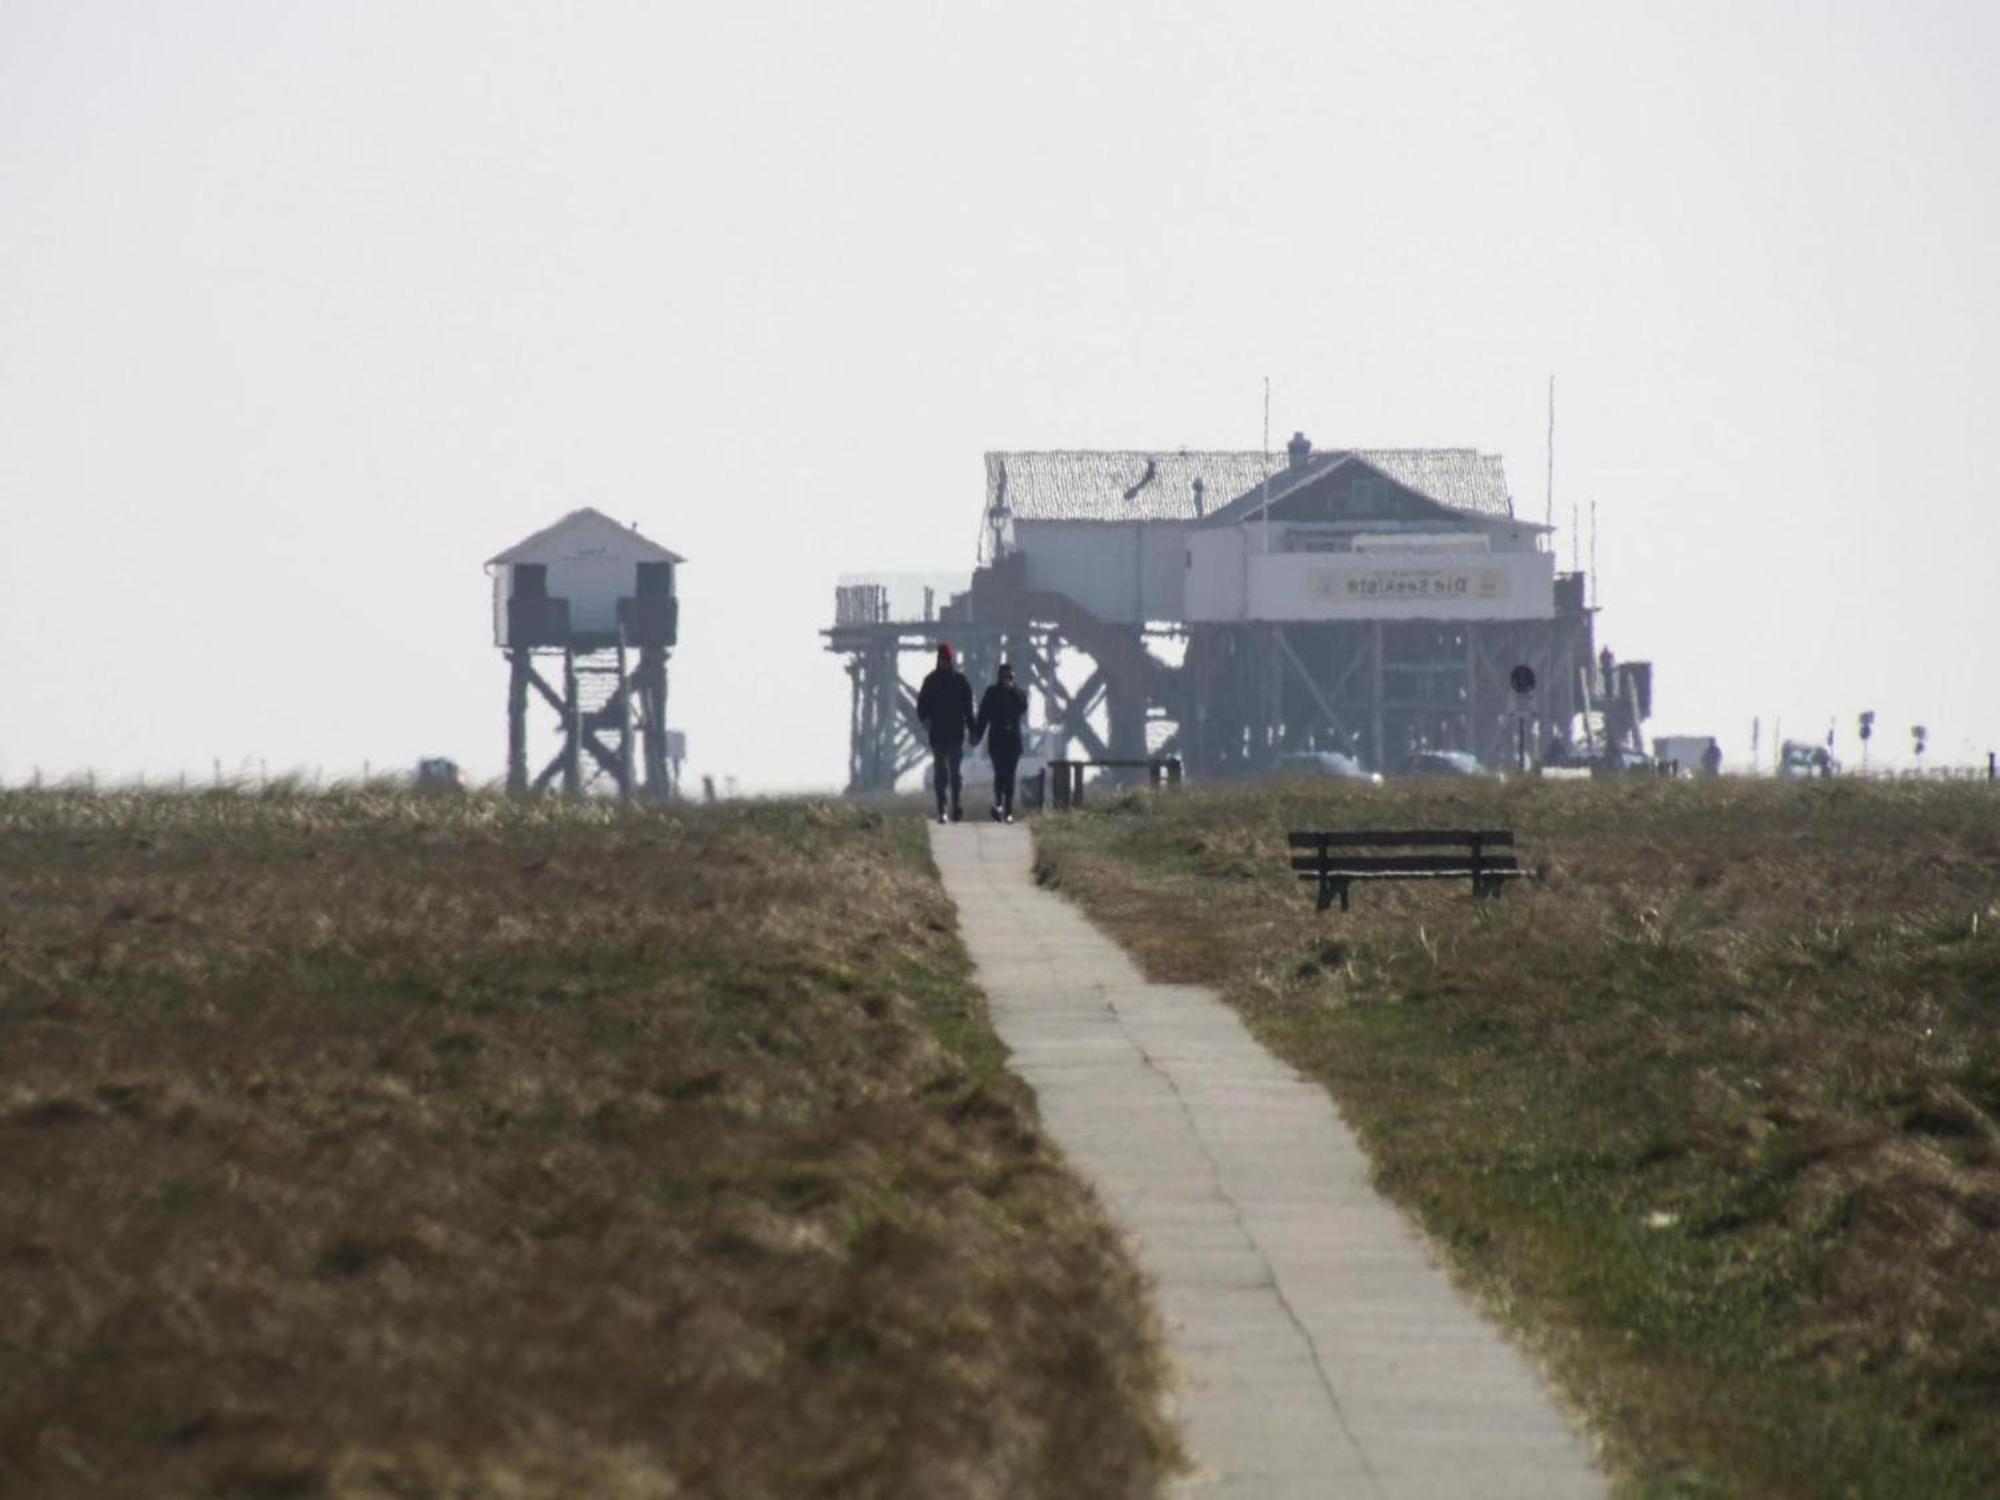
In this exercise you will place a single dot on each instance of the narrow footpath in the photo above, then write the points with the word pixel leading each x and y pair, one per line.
pixel 1322 1350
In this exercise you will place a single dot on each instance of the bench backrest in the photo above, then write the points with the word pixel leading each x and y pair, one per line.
pixel 1411 838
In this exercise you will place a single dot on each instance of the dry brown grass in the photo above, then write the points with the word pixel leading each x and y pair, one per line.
pixel 362 1145
pixel 1712 1112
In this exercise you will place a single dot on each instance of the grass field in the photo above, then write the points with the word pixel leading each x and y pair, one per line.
pixel 1708 1112
pixel 362 1145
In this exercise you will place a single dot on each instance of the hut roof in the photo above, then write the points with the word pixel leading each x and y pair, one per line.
pixel 587 529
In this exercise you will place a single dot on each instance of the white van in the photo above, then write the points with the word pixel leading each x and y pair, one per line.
pixel 1038 748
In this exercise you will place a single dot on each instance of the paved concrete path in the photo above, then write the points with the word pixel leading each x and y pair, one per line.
pixel 1323 1351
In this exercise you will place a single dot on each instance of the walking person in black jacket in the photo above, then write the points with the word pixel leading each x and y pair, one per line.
pixel 944 708
pixel 1002 713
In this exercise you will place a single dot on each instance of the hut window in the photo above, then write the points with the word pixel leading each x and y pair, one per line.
pixel 531 580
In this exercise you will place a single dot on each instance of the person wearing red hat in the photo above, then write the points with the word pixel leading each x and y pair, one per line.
pixel 944 708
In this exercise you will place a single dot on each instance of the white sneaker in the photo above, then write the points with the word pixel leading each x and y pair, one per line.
pixel 943 819
pixel 1008 819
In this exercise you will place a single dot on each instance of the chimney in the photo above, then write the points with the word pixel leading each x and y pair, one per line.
pixel 1298 450
pixel 1200 496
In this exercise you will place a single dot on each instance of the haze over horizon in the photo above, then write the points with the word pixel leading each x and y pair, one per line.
pixel 305 313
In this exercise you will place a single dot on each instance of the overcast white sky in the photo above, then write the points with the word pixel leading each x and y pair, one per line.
pixel 306 310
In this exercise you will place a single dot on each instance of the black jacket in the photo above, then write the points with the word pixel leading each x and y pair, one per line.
pixel 1001 714
pixel 944 704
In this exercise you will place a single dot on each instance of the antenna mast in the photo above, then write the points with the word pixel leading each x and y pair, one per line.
pixel 1549 503
pixel 1265 507
pixel 1593 554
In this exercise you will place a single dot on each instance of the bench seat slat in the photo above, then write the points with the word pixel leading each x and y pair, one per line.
pixel 1462 874
pixel 1420 838
pixel 1409 864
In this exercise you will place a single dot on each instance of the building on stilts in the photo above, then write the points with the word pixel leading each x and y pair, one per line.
pixel 588 614
pixel 1226 609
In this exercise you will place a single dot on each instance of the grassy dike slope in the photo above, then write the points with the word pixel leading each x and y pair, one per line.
pixel 1709 1113
pixel 362 1145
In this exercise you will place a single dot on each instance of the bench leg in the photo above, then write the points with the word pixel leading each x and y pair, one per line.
pixel 1325 894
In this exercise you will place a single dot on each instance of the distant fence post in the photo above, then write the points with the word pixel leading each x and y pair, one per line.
pixel 1059 792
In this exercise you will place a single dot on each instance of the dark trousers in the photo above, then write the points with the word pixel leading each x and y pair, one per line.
pixel 1004 762
pixel 945 761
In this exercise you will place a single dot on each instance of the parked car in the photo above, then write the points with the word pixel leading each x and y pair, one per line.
pixel 1802 760
pixel 1618 761
pixel 439 775
pixel 1445 763
pixel 1327 763
pixel 1563 756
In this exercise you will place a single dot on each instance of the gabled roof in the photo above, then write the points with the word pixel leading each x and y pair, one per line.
pixel 586 529
pixel 1141 486
pixel 1423 472
pixel 1462 478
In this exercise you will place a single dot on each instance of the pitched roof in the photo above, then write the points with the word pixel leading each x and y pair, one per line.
pixel 1456 478
pixel 1462 478
pixel 1141 486
pixel 587 527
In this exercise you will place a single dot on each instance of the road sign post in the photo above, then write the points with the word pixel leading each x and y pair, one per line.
pixel 1522 680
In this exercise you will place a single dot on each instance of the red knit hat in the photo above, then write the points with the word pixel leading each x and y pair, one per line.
pixel 944 654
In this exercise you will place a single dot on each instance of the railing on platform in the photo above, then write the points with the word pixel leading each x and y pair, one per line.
pixel 860 604
pixel 1066 777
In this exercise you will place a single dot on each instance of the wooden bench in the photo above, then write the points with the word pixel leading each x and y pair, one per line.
pixel 1451 854
pixel 1066 784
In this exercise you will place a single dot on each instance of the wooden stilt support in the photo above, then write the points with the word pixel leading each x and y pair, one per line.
pixel 572 773
pixel 652 680
pixel 622 701
pixel 1378 745
pixel 519 670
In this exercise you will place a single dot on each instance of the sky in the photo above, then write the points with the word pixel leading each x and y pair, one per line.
pixel 307 310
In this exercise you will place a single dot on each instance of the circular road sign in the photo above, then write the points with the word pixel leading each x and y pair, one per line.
pixel 1523 679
